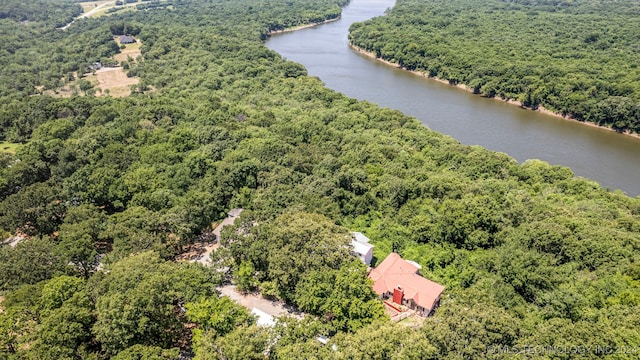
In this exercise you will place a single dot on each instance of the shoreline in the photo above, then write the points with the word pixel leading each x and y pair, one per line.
pixel 300 27
pixel 464 87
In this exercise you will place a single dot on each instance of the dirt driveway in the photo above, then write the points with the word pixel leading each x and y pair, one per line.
pixel 251 301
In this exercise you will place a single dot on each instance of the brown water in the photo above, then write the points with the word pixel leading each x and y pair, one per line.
pixel 611 159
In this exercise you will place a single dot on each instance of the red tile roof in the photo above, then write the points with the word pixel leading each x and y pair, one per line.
pixel 395 272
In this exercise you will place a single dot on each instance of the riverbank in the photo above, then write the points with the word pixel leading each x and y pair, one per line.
pixel 300 27
pixel 464 87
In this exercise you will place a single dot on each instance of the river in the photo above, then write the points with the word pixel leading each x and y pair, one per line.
pixel 607 157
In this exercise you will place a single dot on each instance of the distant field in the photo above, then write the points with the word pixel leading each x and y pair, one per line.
pixel 105 10
pixel 101 12
pixel 95 9
pixel 88 6
pixel 10 148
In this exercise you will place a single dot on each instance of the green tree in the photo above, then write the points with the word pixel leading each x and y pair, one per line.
pixel 245 277
pixel 215 317
pixel 82 228
pixel 344 297
pixel 59 289
pixel 140 302
pixel 30 261
pixel 66 332
pixel 245 342
pixel 13 331
pixel 301 242
pixel 35 210
pixel 384 340
pixel 85 85
pixel 462 332
pixel 141 352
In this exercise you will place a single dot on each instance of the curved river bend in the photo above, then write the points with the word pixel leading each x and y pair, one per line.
pixel 609 158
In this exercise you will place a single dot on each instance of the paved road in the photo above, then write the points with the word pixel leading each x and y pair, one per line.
pixel 87 14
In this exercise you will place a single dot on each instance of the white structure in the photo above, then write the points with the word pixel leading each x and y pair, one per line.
pixel 264 319
pixel 361 247
pixel 414 264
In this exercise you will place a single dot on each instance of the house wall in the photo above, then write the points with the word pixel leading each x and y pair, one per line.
pixel 368 257
pixel 365 258
pixel 411 304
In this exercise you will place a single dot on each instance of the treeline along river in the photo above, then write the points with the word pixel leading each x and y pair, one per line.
pixel 611 159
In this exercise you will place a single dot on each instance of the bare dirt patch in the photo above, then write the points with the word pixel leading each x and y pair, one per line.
pixel 199 251
pixel 131 51
pixel 112 81
pixel 115 80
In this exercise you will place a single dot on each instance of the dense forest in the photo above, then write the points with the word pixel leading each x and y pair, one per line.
pixel 41 12
pixel 576 58
pixel 106 192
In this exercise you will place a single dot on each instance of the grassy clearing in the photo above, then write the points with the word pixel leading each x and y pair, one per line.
pixel 96 9
pixel 90 5
pixel 104 11
pixel 106 81
pixel 111 81
pixel 412 321
pixel 131 50
pixel 7 147
pixel 114 80
pixel 111 9
pixel 100 12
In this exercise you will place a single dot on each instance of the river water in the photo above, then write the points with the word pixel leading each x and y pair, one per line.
pixel 609 158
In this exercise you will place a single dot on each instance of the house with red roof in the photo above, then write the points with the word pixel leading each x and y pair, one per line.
pixel 398 280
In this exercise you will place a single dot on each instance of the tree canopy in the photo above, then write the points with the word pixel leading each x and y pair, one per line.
pixel 107 192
